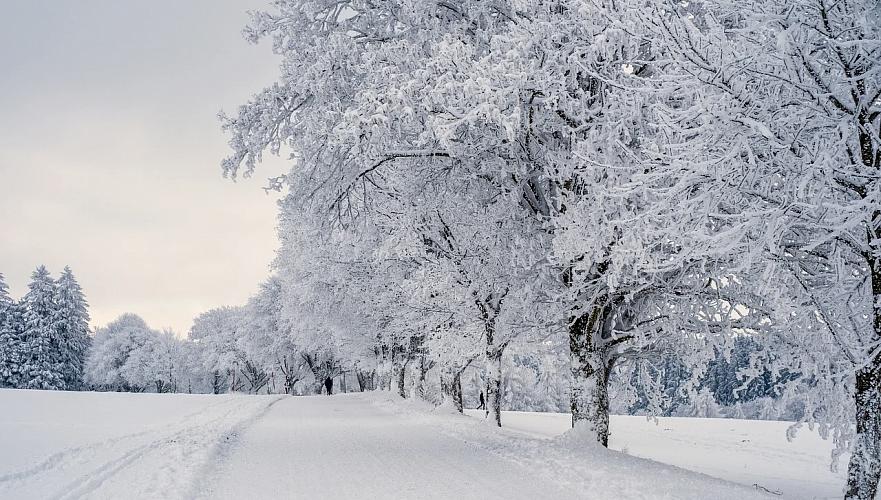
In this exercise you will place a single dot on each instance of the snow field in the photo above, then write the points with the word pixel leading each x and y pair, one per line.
pixel 574 462
pixel 749 452
pixel 121 445
pixel 65 445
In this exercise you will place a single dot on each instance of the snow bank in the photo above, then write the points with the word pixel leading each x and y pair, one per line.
pixel 574 463
pixel 114 445
pixel 750 452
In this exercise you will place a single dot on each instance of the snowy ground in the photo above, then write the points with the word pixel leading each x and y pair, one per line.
pixel 750 452
pixel 114 445
pixel 109 445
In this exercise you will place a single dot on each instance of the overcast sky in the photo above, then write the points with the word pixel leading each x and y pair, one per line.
pixel 110 150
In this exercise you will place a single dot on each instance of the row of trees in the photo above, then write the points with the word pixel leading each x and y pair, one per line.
pixel 639 177
pixel 45 335
pixel 229 349
pixel 255 349
pixel 127 355
pixel 249 349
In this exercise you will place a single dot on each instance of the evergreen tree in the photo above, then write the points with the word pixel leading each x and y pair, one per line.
pixel 72 322
pixel 10 339
pixel 43 367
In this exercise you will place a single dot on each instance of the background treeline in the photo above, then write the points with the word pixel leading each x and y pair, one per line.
pixel 46 344
pixel 44 336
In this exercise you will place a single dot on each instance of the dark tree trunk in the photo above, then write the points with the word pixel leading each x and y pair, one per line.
pixel 216 385
pixel 494 386
pixel 328 385
pixel 420 382
pixel 864 469
pixel 365 380
pixel 451 388
pixel 236 384
pixel 458 400
pixel 400 374
pixel 256 377
pixel 489 309
pixel 591 366
pixel 289 383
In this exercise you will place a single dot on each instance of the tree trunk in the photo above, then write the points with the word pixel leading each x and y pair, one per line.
pixel 289 384
pixel 446 387
pixel 458 401
pixel 590 376
pixel 494 385
pixel 328 384
pixel 233 387
pixel 365 380
pixel 451 388
pixel 400 373
pixel 489 309
pixel 864 469
pixel 216 384
pixel 590 397
pixel 420 381
pixel 386 368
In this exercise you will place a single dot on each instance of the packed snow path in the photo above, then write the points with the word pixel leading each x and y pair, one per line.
pixel 375 446
pixel 346 447
pixel 70 445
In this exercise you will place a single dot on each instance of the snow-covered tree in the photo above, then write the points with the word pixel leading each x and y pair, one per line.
pixel 646 178
pixel 783 117
pixel 72 321
pixel 44 364
pixel 217 333
pixel 11 345
pixel 271 358
pixel 108 364
pixel 154 363
pixel 323 124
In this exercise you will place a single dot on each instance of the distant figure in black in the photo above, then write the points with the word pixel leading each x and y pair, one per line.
pixel 482 405
pixel 328 384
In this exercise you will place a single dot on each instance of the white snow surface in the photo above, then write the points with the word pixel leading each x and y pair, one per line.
pixel 750 452
pixel 373 445
pixel 64 445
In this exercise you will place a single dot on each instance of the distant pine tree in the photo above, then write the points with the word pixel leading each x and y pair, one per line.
pixel 11 348
pixel 43 367
pixel 72 322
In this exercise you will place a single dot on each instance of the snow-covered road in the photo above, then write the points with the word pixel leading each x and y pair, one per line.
pixel 374 445
pixel 345 447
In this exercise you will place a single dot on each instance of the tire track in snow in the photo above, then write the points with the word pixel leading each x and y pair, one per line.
pixel 94 479
pixel 57 460
pixel 162 458
pixel 225 446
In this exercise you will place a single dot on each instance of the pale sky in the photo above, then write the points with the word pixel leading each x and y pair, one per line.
pixel 110 150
